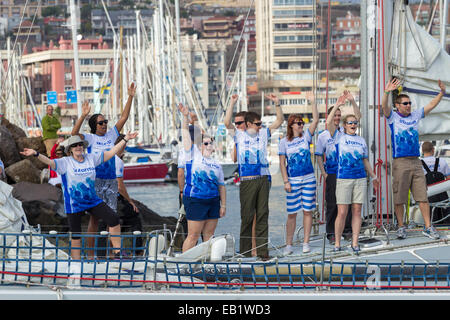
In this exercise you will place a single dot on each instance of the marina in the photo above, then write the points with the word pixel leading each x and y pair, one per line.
pixel 148 90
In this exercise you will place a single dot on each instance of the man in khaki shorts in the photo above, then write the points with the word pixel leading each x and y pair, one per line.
pixel 407 168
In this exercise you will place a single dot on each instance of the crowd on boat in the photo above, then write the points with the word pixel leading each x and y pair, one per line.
pixel 342 157
pixel 89 170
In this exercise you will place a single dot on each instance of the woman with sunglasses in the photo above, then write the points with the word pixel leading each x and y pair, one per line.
pixel 351 184
pixel 298 176
pixel 101 139
pixel 204 194
pixel 77 172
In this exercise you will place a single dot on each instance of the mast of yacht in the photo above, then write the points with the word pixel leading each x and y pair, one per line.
pixel 73 22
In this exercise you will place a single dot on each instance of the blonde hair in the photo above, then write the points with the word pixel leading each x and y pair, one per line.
pixel 344 119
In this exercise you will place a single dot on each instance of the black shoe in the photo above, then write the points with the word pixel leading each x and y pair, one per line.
pixel 331 239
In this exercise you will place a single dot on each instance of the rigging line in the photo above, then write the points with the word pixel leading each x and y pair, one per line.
pixel 385 121
pixel 15 41
pixel 377 88
pixel 237 47
pixel 18 64
pixel 236 74
pixel 328 51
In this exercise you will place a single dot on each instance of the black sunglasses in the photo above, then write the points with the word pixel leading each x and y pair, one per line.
pixel 300 123
pixel 257 123
pixel 207 143
pixel 406 103
pixel 238 123
pixel 102 122
pixel 78 144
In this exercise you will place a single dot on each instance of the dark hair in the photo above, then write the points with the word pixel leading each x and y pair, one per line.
pixel 93 122
pixel 251 117
pixel 60 149
pixel 398 99
pixel 240 114
pixel 331 108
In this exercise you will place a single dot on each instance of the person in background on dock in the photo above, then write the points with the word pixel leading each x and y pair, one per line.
pixel 101 139
pixel 78 175
pixel 326 148
pixel 50 127
pixel 204 194
pixel 239 122
pixel 351 183
pixel 407 169
pixel 251 149
pixel 430 160
pixel 298 175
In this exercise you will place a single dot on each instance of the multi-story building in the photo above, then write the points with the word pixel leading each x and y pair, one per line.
pixel 248 26
pixel 218 27
pixel 52 69
pixel 205 58
pixel 286 50
pixel 346 38
pixel 9 8
pixel 119 18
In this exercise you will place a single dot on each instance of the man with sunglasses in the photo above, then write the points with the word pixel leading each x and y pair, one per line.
pixel 251 149
pixel 407 168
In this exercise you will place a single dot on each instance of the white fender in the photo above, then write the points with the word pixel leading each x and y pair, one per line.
pixel 218 249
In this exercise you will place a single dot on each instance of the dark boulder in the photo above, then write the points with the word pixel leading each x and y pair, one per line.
pixel 23 170
pixel 8 148
pixel 34 143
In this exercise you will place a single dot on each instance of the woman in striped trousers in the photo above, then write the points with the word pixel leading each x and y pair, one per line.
pixel 298 176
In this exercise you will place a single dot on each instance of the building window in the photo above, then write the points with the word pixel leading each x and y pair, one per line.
pixel 198 72
pixel 198 58
pixel 283 65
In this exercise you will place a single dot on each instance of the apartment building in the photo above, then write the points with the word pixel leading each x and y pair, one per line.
pixel 52 69
pixel 285 47
pixel 9 8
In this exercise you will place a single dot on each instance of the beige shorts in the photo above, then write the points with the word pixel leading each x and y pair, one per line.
pixel 350 191
pixel 408 174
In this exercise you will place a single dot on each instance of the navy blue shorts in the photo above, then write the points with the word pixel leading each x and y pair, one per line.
pixel 201 209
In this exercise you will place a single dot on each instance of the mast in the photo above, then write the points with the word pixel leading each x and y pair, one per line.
pixel 180 67
pixel 76 61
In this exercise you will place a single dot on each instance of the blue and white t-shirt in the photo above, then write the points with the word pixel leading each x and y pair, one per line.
pixel 103 143
pixel 298 155
pixel 351 150
pixel 327 144
pixel 405 133
pixel 251 152
pixel 78 181
pixel 181 157
pixel 202 175
pixel 119 167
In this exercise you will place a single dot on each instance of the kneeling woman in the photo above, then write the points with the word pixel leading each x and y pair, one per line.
pixel 351 184
pixel 298 175
pixel 204 194
pixel 78 183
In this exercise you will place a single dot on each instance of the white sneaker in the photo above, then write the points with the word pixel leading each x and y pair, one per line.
pixel 306 248
pixel 288 250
